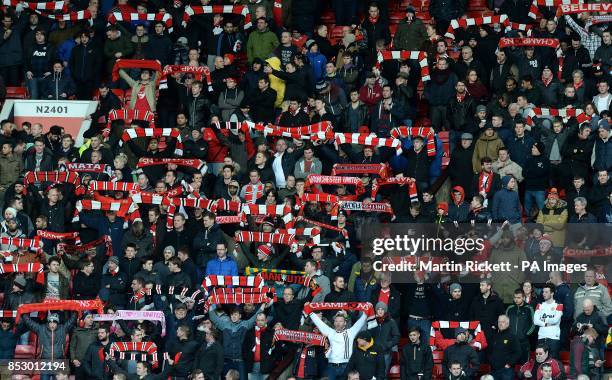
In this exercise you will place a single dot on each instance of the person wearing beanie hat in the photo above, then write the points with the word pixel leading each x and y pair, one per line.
pixel 455 306
pixel 536 173
pixel 410 33
pixel 82 337
pixel 386 333
pixel 114 284
pixel 52 335
pixel 460 351
pixel 264 251
pixel 366 358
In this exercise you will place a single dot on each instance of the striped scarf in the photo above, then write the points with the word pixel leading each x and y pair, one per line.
pixel 479 342
pixel 282 210
pixel 127 115
pixel 81 167
pixel 320 197
pixel 126 187
pixel 238 296
pixel 225 205
pixel 277 12
pixel 55 176
pixel 194 10
pixel 365 307
pixel 122 207
pixel 425 132
pixel 64 305
pixel 49 6
pixel 485 20
pixel 198 71
pixel 37 268
pixel 193 163
pixel 72 16
pixel 235 127
pixel 404 55
pixel 412 189
pixel 235 281
pixel 565 113
pixel 135 133
pixel 382 169
pixel 534 12
pixel 166 18
pixel 8 313
pixel 252 192
pixel 367 139
pixel 134 315
pixel 228 219
pixel 303 132
pixel 286 276
pixel 266 237
pixel 327 227
pixel 121 350
pixel 174 203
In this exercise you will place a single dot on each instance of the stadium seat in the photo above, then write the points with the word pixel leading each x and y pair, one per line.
pixel 335 33
pixel 396 17
pixel 393 29
pixel 565 357
pixel 477 5
pixel 17 93
pixel 328 17
pixel 394 372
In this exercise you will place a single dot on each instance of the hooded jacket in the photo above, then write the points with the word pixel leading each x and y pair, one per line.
pixel 80 341
pixel 486 146
pixel 52 343
pixel 459 211
pixel 506 204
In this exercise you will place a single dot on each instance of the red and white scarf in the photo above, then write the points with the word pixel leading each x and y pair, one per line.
pixel 426 133
pixel 382 169
pixel 366 207
pixel 166 18
pixel 126 187
pixel 194 10
pixel 281 210
pixel 485 181
pixel 123 208
pixel 565 113
pixel 127 115
pixel 365 307
pixel 266 237
pixel 59 236
pixel 135 64
pixel 123 351
pixel 193 163
pixel 37 268
pixel 410 182
pixel 78 249
pixel 320 197
pixel 81 167
pixel 485 20
pixel 367 139
pixel 277 12
pixel 55 176
pixel 236 296
pixel 317 179
pixel 235 281
pixel 404 55
pixel 72 16
pixel 297 336
pixel 199 72
pixel 133 133
pixel 50 6
pixel 304 132
pixel 570 8
pixel 252 192
pixel 544 42
pixel 479 342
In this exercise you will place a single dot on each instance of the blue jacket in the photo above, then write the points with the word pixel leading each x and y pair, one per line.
pixel 563 295
pixel 506 204
pixel 226 267
pixel 233 333
pixel 105 227
pixel 317 63
pixel 64 51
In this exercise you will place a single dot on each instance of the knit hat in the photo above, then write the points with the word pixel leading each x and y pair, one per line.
pixel 540 147
pixel 11 211
pixel 234 183
pixel 113 259
pixel 467 136
pixel 265 249
pixel 460 330
pixel 603 124
pixel 53 317
pixel 481 108
pixel 309 44
pixel 455 286
pixel 20 282
pixel 382 305
pixel 171 249
pixel 364 335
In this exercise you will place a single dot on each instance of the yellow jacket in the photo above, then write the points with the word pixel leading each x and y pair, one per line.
pixel 275 82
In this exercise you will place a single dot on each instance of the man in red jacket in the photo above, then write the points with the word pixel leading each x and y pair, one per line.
pixel 533 368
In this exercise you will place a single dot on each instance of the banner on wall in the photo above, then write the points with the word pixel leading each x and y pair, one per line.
pixel 69 114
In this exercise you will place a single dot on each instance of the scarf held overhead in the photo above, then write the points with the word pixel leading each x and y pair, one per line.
pixel 37 268
pixel 63 305
pixel 135 315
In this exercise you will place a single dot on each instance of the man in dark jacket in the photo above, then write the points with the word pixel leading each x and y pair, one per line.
pixel 521 323
pixel 160 45
pixel 439 91
pixel 367 358
pixel 577 152
pixel 9 337
pixel 418 163
pixel 52 335
pixel 386 293
pixel 288 311
pixel 536 171
pixel 85 67
pixel 187 347
pixel 519 145
pixel 209 358
pixel 197 107
pixel 504 350
pixel 257 347
pixel 416 360
pixel 443 11
pixel 114 284
pixel 205 242
pixel 461 110
pixel 461 352
pixel 37 64
pixel 94 364
pixel 486 308
pixel 108 102
pixel 410 34
pixel 460 166
pixel 386 333
pixel 376 27
pixel 262 102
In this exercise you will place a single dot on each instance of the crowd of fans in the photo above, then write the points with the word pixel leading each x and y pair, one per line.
pixel 206 232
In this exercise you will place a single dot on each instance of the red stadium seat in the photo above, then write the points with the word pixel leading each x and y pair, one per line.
pixel 328 17
pixel 393 29
pixel 25 351
pixel 394 372
pixel 17 93
pixel 119 92
pixel 477 5
pixel 565 357
pixel 396 17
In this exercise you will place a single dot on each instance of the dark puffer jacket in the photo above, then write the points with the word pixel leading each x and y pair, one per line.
pixel 52 343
